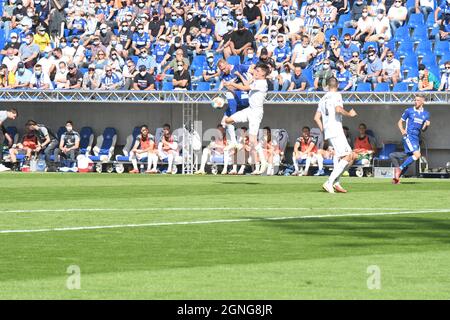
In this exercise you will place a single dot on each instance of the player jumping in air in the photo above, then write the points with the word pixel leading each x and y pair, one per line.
pixel 329 120
pixel 417 120
pixel 254 113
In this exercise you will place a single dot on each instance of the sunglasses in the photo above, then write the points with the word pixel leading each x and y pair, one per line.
pixel 280 41
pixel 390 55
pixel 355 56
pixel 101 54
pixel 108 70
pixel 325 63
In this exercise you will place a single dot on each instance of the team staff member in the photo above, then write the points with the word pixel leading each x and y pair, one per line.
pixel 47 141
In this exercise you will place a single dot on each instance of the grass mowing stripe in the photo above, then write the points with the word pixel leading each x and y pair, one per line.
pixel 183 209
pixel 156 224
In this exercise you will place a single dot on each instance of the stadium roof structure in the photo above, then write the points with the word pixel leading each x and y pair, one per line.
pixel 205 97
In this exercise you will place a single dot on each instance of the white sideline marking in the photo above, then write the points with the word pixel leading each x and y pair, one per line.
pixel 155 224
pixel 183 209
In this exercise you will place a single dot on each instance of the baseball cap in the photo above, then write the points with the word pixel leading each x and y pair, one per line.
pixel 210 54
pixel 142 68
pixel 13 35
pixel 20 65
pixel 48 49
pixel 264 51
pixel 91 66
pixel 41 28
pixel 241 24
pixel 72 65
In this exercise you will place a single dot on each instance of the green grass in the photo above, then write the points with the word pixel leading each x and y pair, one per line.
pixel 312 258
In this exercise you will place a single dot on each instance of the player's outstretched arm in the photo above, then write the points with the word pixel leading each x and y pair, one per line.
pixel 352 113
pixel 425 125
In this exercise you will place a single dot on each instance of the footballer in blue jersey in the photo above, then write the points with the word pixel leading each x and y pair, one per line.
pixel 237 99
pixel 413 122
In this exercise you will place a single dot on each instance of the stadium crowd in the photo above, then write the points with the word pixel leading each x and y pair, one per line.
pixel 378 45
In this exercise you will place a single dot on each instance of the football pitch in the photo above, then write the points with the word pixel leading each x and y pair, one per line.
pixel 110 236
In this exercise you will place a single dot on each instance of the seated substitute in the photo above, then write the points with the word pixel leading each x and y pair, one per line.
pixel 28 145
pixel 144 146
pixel 305 148
pixel 168 148
pixel 47 140
pixel 69 145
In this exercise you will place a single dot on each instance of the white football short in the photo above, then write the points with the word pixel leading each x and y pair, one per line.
pixel 252 116
pixel 340 145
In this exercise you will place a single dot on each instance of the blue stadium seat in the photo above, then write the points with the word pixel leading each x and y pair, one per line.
pixel 60 132
pixel 350 31
pixel 343 18
pixel 308 74
pixel 429 61
pixel 410 61
pixel 86 140
pixel 444 58
pixel 135 59
pixel 416 20
pixel 197 62
pixel 385 151
pixel 331 32
pixel 400 87
pixel 419 35
pixel 405 48
pixel 369 44
pixel 236 60
pixel 423 48
pixel 401 35
pixel 105 144
pixel 382 87
pixel 203 86
pixel 441 48
pixel 131 139
pixel 363 87
pixel 430 21
pixel 167 86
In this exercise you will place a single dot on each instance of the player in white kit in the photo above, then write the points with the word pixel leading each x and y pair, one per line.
pixel 329 119
pixel 254 113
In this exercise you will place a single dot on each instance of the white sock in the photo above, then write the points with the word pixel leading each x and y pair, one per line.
pixel 205 156
pixel 259 150
pixel 133 160
pixel 234 167
pixel 226 158
pixel 232 133
pixel 170 162
pixel 154 158
pixel 319 161
pixel 295 162
pixel 307 164
pixel 257 166
pixel 337 171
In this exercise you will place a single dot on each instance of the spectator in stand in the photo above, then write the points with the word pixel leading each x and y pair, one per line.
pixel 57 17
pixel 441 11
pixel 143 80
pixel 284 78
pixel 74 77
pixel 172 66
pixel 110 80
pixel 77 25
pixel 96 47
pixel 354 69
pixel 91 27
pixel 311 20
pixel 79 56
pixel 91 79
pixel 364 27
pixel 141 40
pixel 397 15
pixel 29 51
pixel 40 80
pixel 391 69
pixel 321 77
pixel 298 81
pixel 444 30
pixel 240 41
pixel 23 77
pixel 67 51
pixel 294 24
pixel 176 44
pixel 250 58
pixel 303 52
pixel 146 60
pixel 160 53
pixel 382 28
pixel 5 22
pixel 181 79
pixel 11 60
pixel 423 6
pixel 13 43
pixel 344 77
pixel 317 36
pixel 60 79
pixel 52 63
pixel 445 79
pixel 101 60
pixel 384 47
pixel 282 53
pixel 328 15
pixel 253 14
pixel 355 13
pixel 334 52
pixel 204 42
pixel 427 80
pixel 125 37
pixel 116 61
pixel 347 49
pixel 272 20
pixel 42 38
pixel 221 26
pixel 372 66
pixel 7 78
pixel 210 71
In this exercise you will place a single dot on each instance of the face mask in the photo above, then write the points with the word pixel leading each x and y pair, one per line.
pixel 125 28
pixel 103 31
pixel 398 5
pixel 174 18
pixel 69 128
pixel 113 43
pixel 309 1
pixel 62 45
pixel 203 19
pixel 224 18
pixel 250 5
pixel 38 73
pixel 75 44
pixel 103 5
pixel 220 5
pixel 129 18
pixel 79 3
pixel 315 31
pixel 312 13
pixel 30 41
pixel 14 40
pixel 140 31
pixel 239 17
pixel 265 44
pixel 229 28
pixel 203 35
pixel 372 58
pixel 267 1
pixel 30 14
pixel 380 16
pixel 20 7
pixel 21 70
pixel 326 66
pixel 347 42
pixel 381 41
pixel 292 16
pixel 43 3
pixel 42 32
pixel 365 14
pixel 250 55
pixel 210 60
pixel 143 73
pixel 189 16
pixel 62 70
pixel 11 56
pixel 13 1
pixel 144 55
pixel 96 43
pixel 177 45
pixel 180 68
pixel 141 4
